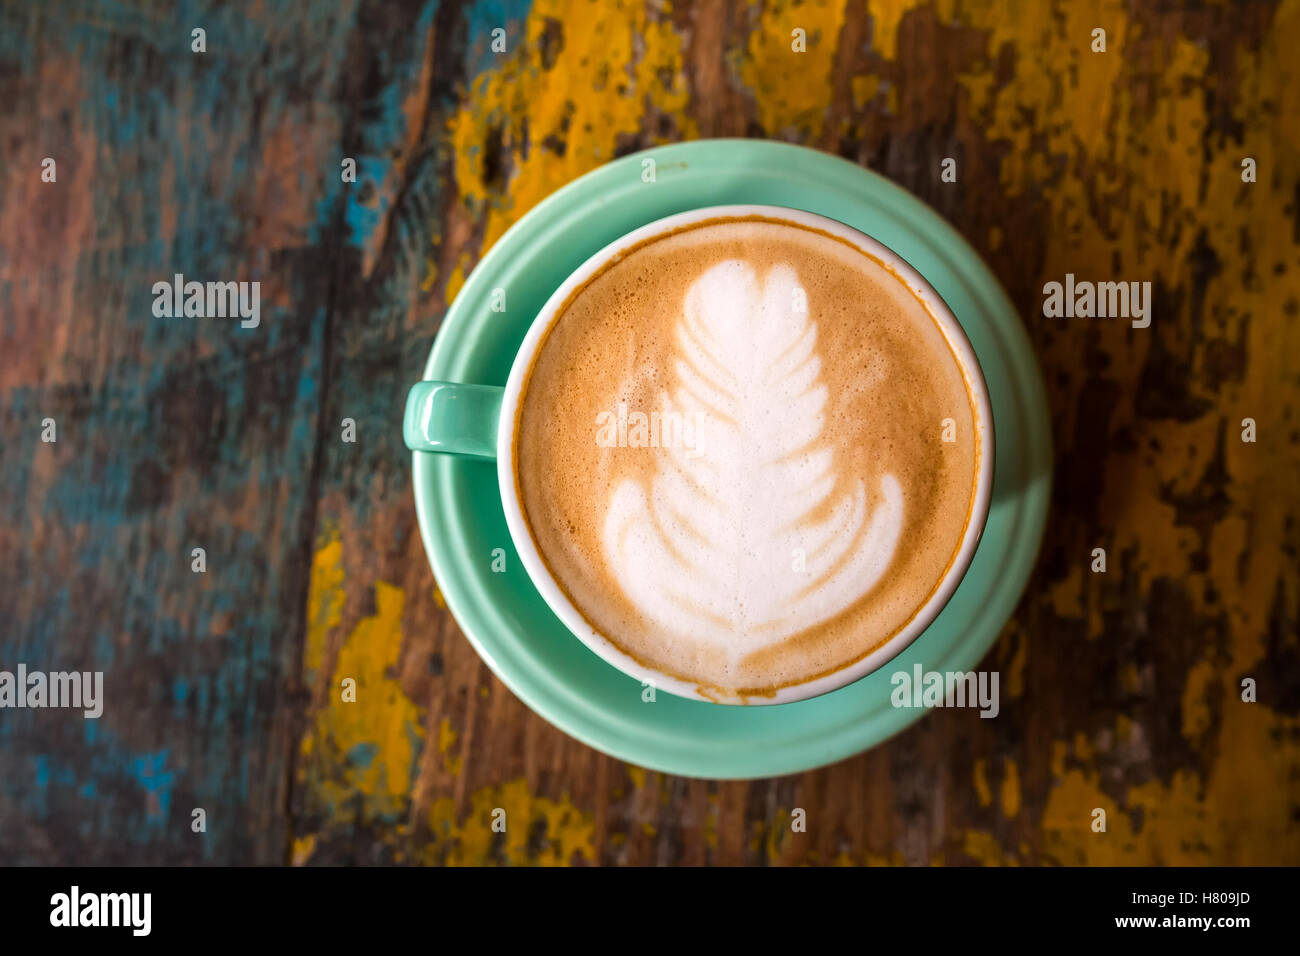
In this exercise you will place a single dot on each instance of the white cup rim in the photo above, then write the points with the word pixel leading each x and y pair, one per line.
pixel 554 595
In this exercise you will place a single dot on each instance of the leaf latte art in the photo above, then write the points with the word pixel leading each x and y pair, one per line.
pixel 731 456
pixel 723 544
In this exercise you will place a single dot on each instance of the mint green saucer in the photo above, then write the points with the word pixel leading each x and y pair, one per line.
pixel 462 522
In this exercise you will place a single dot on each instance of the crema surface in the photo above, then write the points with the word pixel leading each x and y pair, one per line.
pixel 747 454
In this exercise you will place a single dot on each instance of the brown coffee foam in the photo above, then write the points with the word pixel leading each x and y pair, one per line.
pixel 892 378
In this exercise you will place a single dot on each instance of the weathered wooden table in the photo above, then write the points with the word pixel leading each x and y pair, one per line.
pixel 1122 691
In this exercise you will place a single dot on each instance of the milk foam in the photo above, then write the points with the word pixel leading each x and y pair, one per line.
pixel 722 546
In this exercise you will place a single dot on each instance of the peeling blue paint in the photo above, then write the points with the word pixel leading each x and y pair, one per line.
pixel 363 754
pixel 485 16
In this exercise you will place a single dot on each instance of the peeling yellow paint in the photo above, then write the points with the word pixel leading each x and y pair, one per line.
pixel 536 830
pixel 1060 751
pixel 455 281
pixel 1123 728
pixel 1091 122
pixel 880 859
pixel 864 90
pixel 303 848
pixel 324 600
pixel 1187 821
pixel 886 15
pixel 1082 748
pixel 447 740
pixel 1010 789
pixel 1077 139
pixel 985 848
pixel 789 88
pixel 585 101
pixel 362 756
pixel 1201 682
pixel 367 747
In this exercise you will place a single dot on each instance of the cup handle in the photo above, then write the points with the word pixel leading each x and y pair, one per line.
pixel 453 418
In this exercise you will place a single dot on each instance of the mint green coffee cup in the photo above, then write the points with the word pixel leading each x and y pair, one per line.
pixel 479 421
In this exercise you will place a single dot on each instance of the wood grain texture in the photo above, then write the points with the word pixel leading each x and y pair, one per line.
pixel 1121 691
pixel 172 433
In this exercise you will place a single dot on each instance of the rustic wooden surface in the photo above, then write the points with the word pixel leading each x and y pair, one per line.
pixel 1120 691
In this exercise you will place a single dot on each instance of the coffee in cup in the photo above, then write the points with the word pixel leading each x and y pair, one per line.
pixel 747 452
